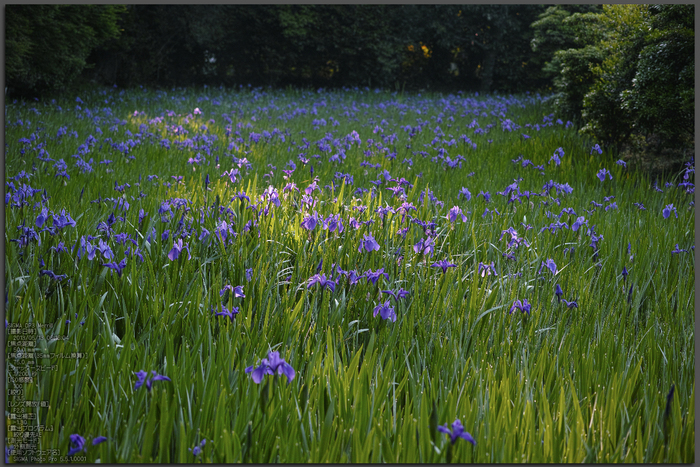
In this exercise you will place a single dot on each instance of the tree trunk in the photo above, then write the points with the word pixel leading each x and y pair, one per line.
pixel 487 74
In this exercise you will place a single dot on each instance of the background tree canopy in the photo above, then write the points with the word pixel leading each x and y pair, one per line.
pixel 624 73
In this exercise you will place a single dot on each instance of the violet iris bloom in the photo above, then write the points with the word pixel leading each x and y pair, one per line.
pixel 333 222
pixel 77 444
pixel 454 212
pixel 487 269
pixel 549 264
pixel 41 218
pixel 678 250
pixel 197 450
pixel 63 220
pixel 425 246
pixel 667 211
pixel 578 223
pixel 322 281
pixel 98 440
pixel 141 375
pixel 104 249
pixel 386 311
pixel 401 293
pixel 486 195
pixel 374 276
pixel 558 292
pixel 177 250
pixel 602 173
pixel 523 306
pixel 309 223
pixel 353 277
pixel 444 264
pixel 368 243
pixel 570 304
pixel 236 291
pixel 52 275
pixel 229 313
pixel 456 432
pixel 269 366
pixel 117 266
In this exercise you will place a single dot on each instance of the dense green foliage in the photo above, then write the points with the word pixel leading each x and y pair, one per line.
pixel 608 380
pixel 626 73
pixel 46 46
pixel 478 47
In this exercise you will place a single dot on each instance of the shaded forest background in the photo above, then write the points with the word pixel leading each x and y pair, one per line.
pixel 623 73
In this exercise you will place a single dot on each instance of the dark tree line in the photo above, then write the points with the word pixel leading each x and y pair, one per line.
pixel 443 47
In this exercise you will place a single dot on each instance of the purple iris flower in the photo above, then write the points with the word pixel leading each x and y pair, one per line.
pixel 622 163
pixel 47 272
pixel 141 375
pixel 558 292
pixel 229 313
pixel 486 195
pixel 105 250
pixel 197 450
pixel 177 250
pixel 63 220
pixel 678 250
pixel 578 223
pixel 444 264
pixel 385 311
pixel 456 432
pixel 424 246
pixel 353 277
pixel 596 148
pixel 466 194
pixel 41 218
pixel 309 223
pixel 117 266
pixel 373 276
pixel 232 174
pixel 248 274
pixel 98 440
pixel 667 211
pixel 368 243
pixel 523 306
pixel 602 173
pixel 61 247
pixel 236 291
pixel 549 264
pixel 322 281
pixel 271 365
pixel 142 214
pixel 77 444
pixel 570 304
pixel 401 293
pixel 625 273
pixel 487 269
pixel 333 222
pixel 312 186
pixel 454 212
pixel 241 196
